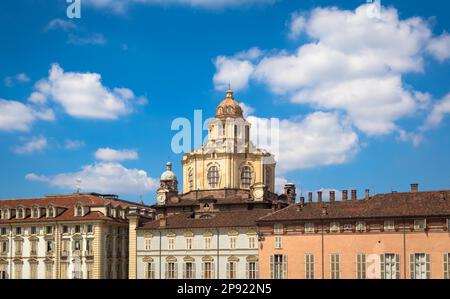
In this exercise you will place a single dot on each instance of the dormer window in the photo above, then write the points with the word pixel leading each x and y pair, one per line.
pixel 5 214
pixel 35 212
pixel 50 212
pixel 20 213
pixel 79 212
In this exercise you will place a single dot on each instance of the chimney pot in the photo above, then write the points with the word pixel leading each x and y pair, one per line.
pixel 319 196
pixel 414 187
pixel 332 196
pixel 354 196
pixel 302 201
pixel 344 195
pixel 310 195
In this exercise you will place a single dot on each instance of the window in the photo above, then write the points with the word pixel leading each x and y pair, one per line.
pixel 33 230
pixel 191 179
pixel 278 266
pixel 4 248
pixel 309 227
pixel 252 242
pixel 207 242
pixel 65 229
pixel 278 242
pixel 232 270
pixel 65 247
pixel 335 266
pixel 213 176
pixel 389 225
pixel 77 229
pixel 3 271
pixel 3 231
pixel 348 227
pixel 207 270
pixel 252 269
pixel 189 243
pixel 33 250
pixel 334 227
pixel 90 228
pixel 278 228
pixel 35 213
pixel 448 224
pixel 446 265
pixel 18 230
pixel 246 177
pixel 76 245
pixel 20 213
pixel 89 246
pixel 189 270
pixel 361 266
pixel 232 240
pixel 64 267
pixel 18 270
pixel 49 247
pixel 150 273
pixel 420 224
pixel 148 243
pixel 360 226
pixel 419 266
pixel 49 230
pixel 18 245
pixel 309 266
pixel 89 270
pixel 171 270
pixel 171 243
pixel 390 266
pixel 33 270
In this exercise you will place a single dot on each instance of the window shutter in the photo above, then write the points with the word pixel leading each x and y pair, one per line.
pixel 256 270
pixel 446 276
pixel 184 270
pixel 364 266
pixel 271 267
pixel 228 270
pixel 247 274
pixel 213 271
pixel 397 266
pixel 285 269
pixel 193 270
pixel 382 266
pixel 203 270
pixel 411 266
pixel 166 272
pixel 176 270
pixel 428 259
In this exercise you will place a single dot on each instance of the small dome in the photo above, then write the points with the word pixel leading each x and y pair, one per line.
pixel 229 107
pixel 168 175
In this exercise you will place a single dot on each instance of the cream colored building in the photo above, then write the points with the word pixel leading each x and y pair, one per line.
pixel 77 236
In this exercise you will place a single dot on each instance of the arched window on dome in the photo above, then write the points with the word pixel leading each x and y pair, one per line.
pixel 213 176
pixel 191 179
pixel 246 177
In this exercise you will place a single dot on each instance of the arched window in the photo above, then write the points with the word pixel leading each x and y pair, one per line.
pixel 35 212
pixel 20 213
pixel 246 177
pixel 213 176
pixel 79 211
pixel 191 179
pixel 51 211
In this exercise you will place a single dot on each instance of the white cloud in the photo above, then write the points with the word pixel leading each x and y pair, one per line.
pixel 104 177
pixel 319 139
pixel 246 109
pixel 60 24
pixel 70 144
pixel 353 64
pixel 439 47
pixel 15 116
pixel 83 95
pixel 437 114
pixel 280 181
pixel 232 71
pixel 109 154
pixel 35 144
pixel 120 6
pixel 10 81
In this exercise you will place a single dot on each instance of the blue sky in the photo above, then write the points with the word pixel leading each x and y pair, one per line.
pixel 363 99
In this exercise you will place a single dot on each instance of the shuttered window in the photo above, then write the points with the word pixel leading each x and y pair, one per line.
pixel 208 270
pixel 335 266
pixel 278 266
pixel 309 266
pixel 251 269
pixel 189 270
pixel 171 270
pixel 232 270
pixel 361 266
pixel 390 266
pixel 278 242
pixel 446 265
pixel 419 266
pixel 150 271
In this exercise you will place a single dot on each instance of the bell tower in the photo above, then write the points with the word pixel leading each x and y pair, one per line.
pixel 168 185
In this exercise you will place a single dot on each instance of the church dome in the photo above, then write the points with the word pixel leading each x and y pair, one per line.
pixel 168 175
pixel 229 107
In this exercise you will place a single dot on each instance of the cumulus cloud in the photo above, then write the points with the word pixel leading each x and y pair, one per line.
pixel 103 177
pixel 10 81
pixel 82 95
pixel 35 144
pixel 120 6
pixel 437 114
pixel 280 181
pixel 246 109
pixel 15 116
pixel 354 64
pixel 109 154
pixel 318 139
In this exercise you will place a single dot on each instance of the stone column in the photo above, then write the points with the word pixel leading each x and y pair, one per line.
pixel 99 251
pixel 132 246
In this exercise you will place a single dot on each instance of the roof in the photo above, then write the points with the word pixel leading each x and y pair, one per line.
pixel 65 205
pixel 404 204
pixel 241 218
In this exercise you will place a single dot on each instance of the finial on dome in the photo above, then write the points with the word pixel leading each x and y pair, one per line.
pixel 169 166
pixel 229 93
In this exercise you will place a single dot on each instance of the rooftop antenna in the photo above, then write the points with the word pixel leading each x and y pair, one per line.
pixel 78 185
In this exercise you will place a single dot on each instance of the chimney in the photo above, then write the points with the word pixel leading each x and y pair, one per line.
pixel 414 187
pixel 310 196
pixel 344 195
pixel 366 194
pixel 162 222
pixel 289 191
pixel 354 196
pixel 332 196
pixel 319 196
pixel 302 201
